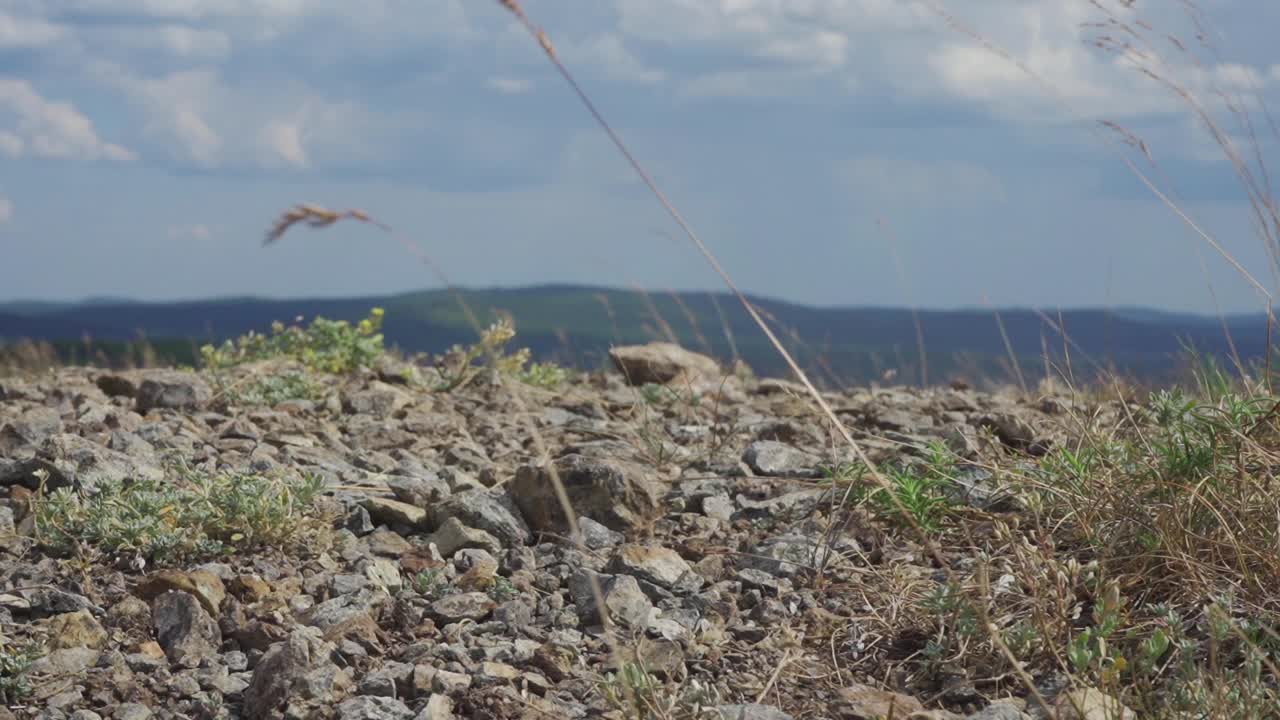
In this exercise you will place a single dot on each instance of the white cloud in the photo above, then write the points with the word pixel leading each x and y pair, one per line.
pixel 1237 77
pixel 898 183
pixel 27 32
pixel 176 108
pixel 283 139
pixel 510 85
pixel 608 53
pixel 902 48
pixel 822 49
pixel 200 118
pixel 180 41
pixel 47 128
pixel 11 144
pixel 183 9
pixel 195 231
pixel 357 68
pixel 6 210
pixel 268 19
pixel 764 84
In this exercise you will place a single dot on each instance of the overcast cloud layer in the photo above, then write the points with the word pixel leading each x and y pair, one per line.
pixel 146 145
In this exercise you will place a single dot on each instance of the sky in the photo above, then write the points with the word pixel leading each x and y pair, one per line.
pixel 936 153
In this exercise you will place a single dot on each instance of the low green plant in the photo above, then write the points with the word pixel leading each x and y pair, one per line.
pixel 193 515
pixel 273 389
pixel 1090 652
pixel 1188 488
pixel 635 694
pixel 430 584
pixel 332 346
pixel 921 490
pixel 632 691
pixel 458 366
pixel 544 375
pixel 502 589
pixel 957 622
pixel 668 396
pixel 15 662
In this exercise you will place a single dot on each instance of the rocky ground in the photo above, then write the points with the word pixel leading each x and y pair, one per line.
pixel 434 576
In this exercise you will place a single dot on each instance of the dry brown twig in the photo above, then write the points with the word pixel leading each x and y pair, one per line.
pixel 319 217
pixel 316 217
pixel 874 473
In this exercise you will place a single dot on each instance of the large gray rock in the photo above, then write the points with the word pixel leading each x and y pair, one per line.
pixel 786 555
pixel 453 536
pixel 775 459
pixel 661 566
pixel 438 707
pixel 29 429
pixel 620 495
pixel 73 461
pixel 864 702
pixel 463 606
pixel 297 671
pixel 379 400
pixel 661 363
pixel 68 661
pixel 186 632
pixel 625 602
pixel 420 491
pixel 485 510
pixel 1091 704
pixel 1014 430
pixel 394 512
pixel 344 609
pixel 172 389
pixel 373 708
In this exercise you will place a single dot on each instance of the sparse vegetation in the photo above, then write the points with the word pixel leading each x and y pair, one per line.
pixel 1142 561
pixel 636 694
pixel 272 389
pixel 192 516
pixel 329 346
pixel 502 590
pixel 430 584
pixel 1140 557
pixel 458 366
pixel 15 661
pixel 921 489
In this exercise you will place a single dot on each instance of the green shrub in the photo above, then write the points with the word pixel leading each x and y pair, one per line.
pixel 273 389
pixel 194 516
pixel 922 491
pixel 458 366
pixel 14 664
pixel 430 584
pixel 332 346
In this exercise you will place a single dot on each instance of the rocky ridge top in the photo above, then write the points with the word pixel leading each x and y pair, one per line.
pixel 439 579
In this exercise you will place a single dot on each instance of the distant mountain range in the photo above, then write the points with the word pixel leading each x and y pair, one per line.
pixel 576 325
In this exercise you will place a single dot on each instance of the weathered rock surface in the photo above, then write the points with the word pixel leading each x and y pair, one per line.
pixel 298 673
pixel 661 363
pixel 187 633
pixel 172 389
pixel 620 495
pixel 437 578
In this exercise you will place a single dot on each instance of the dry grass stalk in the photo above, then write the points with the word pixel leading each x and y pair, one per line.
pixel 321 217
pixel 316 217
pixel 873 471
pixel 1051 92
pixel 883 224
